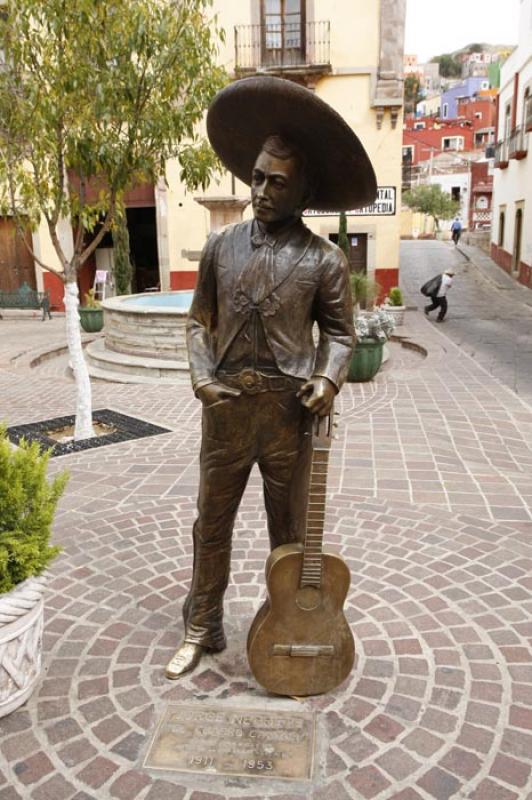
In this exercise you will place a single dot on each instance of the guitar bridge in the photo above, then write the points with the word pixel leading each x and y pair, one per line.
pixel 303 650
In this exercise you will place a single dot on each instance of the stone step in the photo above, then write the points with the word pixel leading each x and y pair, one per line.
pixel 110 376
pixel 152 370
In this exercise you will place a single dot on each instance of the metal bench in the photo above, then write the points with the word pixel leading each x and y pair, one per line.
pixel 23 297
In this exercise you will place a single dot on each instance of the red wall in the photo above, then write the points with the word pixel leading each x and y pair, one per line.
pixel 430 140
pixel 486 107
pixel 504 260
pixel 525 274
pixel 387 279
pixel 183 280
pixel 56 290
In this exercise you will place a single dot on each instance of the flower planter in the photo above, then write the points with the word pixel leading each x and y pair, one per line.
pixel 21 624
pixel 365 361
pixel 397 313
pixel 91 319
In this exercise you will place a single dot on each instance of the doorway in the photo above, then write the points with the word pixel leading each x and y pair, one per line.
pixel 16 262
pixel 518 236
pixel 142 227
pixel 358 251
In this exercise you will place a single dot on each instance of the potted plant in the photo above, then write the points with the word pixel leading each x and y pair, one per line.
pixel 395 305
pixel 27 506
pixel 91 314
pixel 372 332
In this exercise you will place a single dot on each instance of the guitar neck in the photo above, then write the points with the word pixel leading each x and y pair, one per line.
pixel 313 548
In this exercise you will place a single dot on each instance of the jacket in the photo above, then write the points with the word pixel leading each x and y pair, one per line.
pixel 312 284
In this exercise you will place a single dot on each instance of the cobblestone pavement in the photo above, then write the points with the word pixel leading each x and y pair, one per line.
pixel 429 504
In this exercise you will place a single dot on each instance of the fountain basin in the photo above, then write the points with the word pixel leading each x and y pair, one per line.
pixel 144 338
pixel 149 325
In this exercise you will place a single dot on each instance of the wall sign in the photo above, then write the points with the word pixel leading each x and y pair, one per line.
pixel 384 206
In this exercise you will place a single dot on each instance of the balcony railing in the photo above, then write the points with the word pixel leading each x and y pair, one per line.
pixel 290 46
pixel 501 154
pixel 518 146
pixel 528 114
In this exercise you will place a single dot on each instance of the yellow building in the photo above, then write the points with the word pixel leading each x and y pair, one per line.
pixel 351 54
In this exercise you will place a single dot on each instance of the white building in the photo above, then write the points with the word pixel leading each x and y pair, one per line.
pixel 511 245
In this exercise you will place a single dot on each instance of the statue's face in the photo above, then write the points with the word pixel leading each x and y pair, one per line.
pixel 277 188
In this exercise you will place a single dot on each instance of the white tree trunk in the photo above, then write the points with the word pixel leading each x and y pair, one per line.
pixel 83 427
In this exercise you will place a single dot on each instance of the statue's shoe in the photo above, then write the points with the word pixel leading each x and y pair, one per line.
pixel 186 658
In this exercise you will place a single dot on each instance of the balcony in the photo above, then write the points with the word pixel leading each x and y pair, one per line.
pixel 528 114
pixel 287 49
pixel 518 146
pixel 501 154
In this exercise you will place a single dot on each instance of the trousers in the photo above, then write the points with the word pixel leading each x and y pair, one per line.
pixel 270 429
pixel 437 302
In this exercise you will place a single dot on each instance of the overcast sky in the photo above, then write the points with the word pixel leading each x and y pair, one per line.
pixel 441 26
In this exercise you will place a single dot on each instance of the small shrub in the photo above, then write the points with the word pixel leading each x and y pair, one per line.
pixel 395 296
pixel 90 300
pixel 364 289
pixel 27 507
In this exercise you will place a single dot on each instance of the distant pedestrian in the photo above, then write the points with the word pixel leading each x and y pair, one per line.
pixel 45 305
pixel 456 230
pixel 437 289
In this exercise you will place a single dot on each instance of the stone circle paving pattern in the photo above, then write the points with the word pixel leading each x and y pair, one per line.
pixel 429 503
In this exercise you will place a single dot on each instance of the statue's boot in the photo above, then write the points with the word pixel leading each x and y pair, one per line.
pixel 186 658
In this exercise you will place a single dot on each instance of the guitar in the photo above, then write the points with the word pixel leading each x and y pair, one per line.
pixel 300 642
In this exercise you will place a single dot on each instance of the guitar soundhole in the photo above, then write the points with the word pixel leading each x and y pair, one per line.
pixel 308 598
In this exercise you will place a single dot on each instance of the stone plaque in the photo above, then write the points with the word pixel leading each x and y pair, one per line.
pixel 218 740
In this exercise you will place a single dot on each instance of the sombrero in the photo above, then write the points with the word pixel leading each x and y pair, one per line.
pixel 247 111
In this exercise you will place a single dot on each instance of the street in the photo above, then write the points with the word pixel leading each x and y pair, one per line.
pixel 490 316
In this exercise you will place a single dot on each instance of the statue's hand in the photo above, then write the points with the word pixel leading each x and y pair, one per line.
pixel 318 394
pixel 214 393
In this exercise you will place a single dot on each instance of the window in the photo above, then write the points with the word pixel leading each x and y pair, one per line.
pixel 485 85
pixel 445 110
pixel 478 114
pixel 408 152
pixel 452 143
pixel 482 202
pixel 502 218
pixel 419 126
pixel 507 120
pixel 526 109
pixel 455 193
pixel 282 20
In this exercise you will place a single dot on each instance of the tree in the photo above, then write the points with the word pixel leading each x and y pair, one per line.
pixel 122 269
pixel 430 199
pixel 449 67
pixel 98 94
pixel 343 241
pixel 412 93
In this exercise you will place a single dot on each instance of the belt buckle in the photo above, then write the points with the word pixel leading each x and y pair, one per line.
pixel 250 380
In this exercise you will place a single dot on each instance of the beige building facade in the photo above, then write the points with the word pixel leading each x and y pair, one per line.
pixel 350 53
pixel 511 244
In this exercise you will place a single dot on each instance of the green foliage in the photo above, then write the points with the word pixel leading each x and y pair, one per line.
pixel 122 269
pixel 432 200
pixel 364 289
pixel 343 241
pixel 27 506
pixel 412 93
pixel 395 296
pixel 449 67
pixel 90 300
pixel 105 92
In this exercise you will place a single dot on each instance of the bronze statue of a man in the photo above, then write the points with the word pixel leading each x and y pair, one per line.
pixel 261 287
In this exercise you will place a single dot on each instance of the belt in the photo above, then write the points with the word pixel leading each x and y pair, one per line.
pixel 252 381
